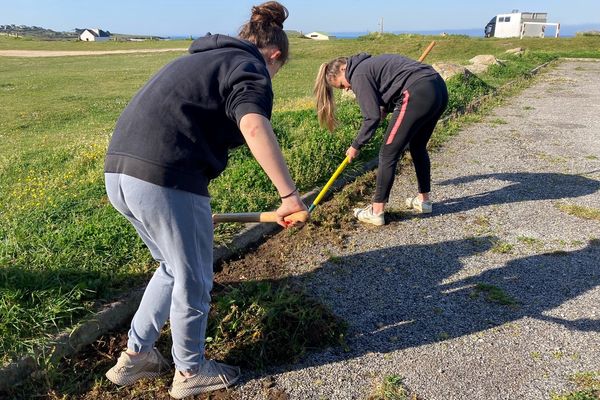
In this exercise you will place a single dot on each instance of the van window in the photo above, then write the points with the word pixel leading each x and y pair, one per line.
pixel 501 19
pixel 507 19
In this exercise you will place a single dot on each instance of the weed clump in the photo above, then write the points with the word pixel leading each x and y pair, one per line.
pixel 255 324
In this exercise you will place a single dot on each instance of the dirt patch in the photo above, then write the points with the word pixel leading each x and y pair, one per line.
pixel 329 223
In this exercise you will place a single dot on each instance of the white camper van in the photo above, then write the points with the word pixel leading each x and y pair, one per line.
pixel 518 24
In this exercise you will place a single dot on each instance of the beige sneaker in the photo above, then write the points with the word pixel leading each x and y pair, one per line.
pixel 366 215
pixel 423 207
pixel 211 376
pixel 130 369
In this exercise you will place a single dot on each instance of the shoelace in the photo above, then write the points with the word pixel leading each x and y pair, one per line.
pixel 222 375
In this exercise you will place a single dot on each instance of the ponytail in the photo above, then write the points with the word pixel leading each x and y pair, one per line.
pixel 325 101
pixel 323 92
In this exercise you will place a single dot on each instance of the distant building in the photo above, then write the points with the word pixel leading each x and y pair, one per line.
pixel 519 24
pixel 94 35
pixel 319 36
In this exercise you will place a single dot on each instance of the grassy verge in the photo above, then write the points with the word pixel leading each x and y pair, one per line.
pixel 64 250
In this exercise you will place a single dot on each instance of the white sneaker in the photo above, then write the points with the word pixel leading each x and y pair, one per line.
pixel 366 215
pixel 129 370
pixel 211 376
pixel 423 207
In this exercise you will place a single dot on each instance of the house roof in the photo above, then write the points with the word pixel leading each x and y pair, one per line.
pixel 98 32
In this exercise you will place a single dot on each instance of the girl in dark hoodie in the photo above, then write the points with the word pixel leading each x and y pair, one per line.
pixel 416 96
pixel 169 142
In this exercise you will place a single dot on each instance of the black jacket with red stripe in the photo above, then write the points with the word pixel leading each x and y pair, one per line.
pixel 377 82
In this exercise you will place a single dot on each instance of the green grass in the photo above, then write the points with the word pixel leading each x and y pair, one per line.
pixel 493 294
pixel 582 212
pixel 259 324
pixel 64 250
pixel 29 43
pixel 588 387
pixel 502 247
pixel 391 388
pixel 532 243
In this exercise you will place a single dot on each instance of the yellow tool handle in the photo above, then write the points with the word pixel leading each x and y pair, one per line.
pixel 337 173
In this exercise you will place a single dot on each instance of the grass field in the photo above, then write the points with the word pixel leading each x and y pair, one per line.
pixel 64 250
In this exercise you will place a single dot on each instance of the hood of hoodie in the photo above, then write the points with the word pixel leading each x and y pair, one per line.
pixel 353 62
pixel 212 42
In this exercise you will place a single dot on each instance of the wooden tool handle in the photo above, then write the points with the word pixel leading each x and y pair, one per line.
pixel 427 50
pixel 270 216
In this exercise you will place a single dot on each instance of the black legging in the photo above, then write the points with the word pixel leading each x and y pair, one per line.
pixel 415 115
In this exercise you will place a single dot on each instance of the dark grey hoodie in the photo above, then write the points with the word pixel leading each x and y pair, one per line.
pixel 377 82
pixel 177 130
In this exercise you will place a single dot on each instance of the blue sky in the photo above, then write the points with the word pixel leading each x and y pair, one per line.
pixel 196 17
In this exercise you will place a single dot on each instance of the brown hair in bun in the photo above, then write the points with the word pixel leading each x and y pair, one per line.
pixel 265 28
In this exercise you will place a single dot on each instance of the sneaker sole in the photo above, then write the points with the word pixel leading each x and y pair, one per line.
pixel 369 221
pixel 128 381
pixel 182 393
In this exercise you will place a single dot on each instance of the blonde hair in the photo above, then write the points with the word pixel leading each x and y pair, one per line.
pixel 265 28
pixel 323 92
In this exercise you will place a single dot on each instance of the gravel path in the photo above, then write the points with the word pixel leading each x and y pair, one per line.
pixel 407 289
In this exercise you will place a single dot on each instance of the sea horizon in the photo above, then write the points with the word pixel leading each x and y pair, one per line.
pixel 565 31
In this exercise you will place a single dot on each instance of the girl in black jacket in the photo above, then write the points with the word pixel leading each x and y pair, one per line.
pixel 169 142
pixel 416 96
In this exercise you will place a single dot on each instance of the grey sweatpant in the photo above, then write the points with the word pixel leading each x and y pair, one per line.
pixel 177 228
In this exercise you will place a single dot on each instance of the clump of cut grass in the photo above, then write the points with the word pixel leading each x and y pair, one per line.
pixel 498 121
pixel 502 247
pixel 579 211
pixel 528 240
pixel 493 294
pixel 588 387
pixel 255 324
pixel 392 387
pixel 482 221
pixel 531 242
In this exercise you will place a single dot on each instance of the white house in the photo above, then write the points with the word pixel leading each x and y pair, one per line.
pixel 319 36
pixel 519 24
pixel 94 35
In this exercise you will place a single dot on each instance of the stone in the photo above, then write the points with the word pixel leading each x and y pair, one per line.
pixel 485 59
pixel 517 51
pixel 448 70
